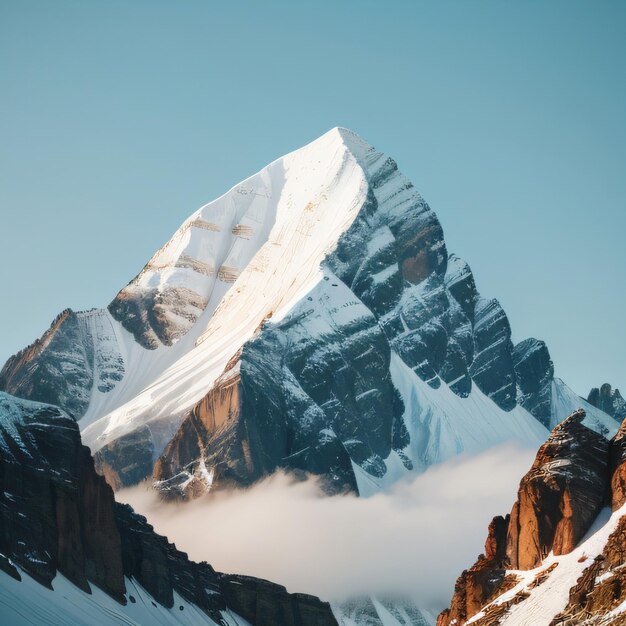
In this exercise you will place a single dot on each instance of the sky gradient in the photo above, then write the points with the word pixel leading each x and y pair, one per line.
pixel 118 119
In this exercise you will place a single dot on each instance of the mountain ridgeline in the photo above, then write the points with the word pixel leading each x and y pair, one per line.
pixel 312 320
pixel 608 400
pixel 309 320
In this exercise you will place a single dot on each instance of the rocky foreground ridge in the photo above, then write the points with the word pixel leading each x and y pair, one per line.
pixel 58 516
pixel 575 474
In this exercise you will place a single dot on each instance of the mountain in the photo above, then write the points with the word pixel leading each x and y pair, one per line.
pixel 608 400
pixel 310 319
pixel 70 554
pixel 559 557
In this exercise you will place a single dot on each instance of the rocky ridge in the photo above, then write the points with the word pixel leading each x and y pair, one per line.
pixel 608 400
pixel 58 516
pixel 76 353
pixel 315 392
pixel 332 275
pixel 576 473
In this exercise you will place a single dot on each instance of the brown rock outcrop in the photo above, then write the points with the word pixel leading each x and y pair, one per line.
pixel 474 588
pixel 560 496
pixel 558 499
pixel 477 585
pixel 618 468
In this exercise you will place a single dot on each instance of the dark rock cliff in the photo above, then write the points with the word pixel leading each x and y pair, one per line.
pixel 58 515
pixel 534 371
pixel 56 369
pixel 608 400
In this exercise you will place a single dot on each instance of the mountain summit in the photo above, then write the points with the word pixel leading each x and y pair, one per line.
pixel 310 319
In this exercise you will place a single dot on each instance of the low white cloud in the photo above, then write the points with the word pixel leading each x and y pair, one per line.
pixel 413 540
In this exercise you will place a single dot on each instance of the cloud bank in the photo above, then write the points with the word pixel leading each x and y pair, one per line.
pixel 413 540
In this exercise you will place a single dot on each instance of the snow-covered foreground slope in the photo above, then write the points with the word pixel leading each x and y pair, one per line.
pixel 546 600
pixel 318 297
pixel 27 603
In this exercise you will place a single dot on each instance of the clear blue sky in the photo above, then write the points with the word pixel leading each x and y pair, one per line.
pixel 120 118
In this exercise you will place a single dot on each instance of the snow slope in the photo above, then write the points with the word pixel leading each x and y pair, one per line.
pixel 550 598
pixel 27 603
pixel 565 402
pixel 442 424
pixel 297 225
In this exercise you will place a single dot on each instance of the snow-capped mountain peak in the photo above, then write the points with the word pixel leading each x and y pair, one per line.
pixel 310 318
pixel 264 240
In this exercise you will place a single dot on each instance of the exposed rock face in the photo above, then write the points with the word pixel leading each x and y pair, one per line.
pixel 313 392
pixel 56 512
pixel 58 515
pixel 558 499
pixel 215 435
pixel 157 317
pixel 262 602
pixel 608 400
pixel 560 496
pixel 61 367
pixel 534 371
